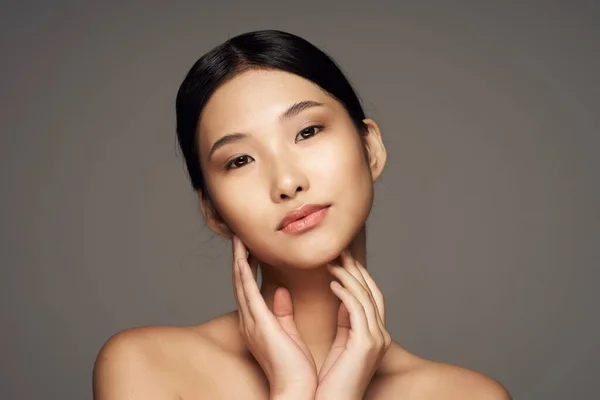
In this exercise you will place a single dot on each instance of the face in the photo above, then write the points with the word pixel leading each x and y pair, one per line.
pixel 272 143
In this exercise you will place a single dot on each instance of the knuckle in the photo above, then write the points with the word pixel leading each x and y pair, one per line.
pixel 368 344
pixel 387 338
pixel 364 292
pixel 249 331
pixel 388 343
pixel 379 341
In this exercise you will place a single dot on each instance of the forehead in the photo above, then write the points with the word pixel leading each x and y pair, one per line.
pixel 254 97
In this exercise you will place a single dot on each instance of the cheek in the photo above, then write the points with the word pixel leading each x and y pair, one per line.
pixel 341 173
pixel 340 165
pixel 240 204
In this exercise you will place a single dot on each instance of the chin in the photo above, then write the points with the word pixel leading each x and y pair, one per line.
pixel 314 258
pixel 315 249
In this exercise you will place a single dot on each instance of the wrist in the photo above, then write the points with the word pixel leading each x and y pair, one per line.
pixel 320 396
pixel 324 395
pixel 297 394
pixel 293 396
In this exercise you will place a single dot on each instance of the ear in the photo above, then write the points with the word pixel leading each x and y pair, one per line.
pixel 375 149
pixel 212 217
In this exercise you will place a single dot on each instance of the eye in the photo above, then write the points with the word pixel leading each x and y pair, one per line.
pixel 239 162
pixel 309 132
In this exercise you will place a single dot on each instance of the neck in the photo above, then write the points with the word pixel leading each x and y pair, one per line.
pixel 315 305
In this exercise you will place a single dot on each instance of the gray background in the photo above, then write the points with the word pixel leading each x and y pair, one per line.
pixel 484 236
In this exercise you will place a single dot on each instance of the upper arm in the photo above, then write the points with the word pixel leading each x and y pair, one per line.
pixel 123 370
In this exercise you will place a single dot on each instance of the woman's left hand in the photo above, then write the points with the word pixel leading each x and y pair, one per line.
pixel 362 339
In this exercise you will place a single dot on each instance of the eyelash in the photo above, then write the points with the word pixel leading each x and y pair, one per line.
pixel 318 128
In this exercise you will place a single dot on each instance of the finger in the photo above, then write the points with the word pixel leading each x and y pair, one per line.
pixel 246 319
pixel 282 304
pixel 355 268
pixel 239 257
pixel 256 304
pixel 339 343
pixel 359 292
pixel 343 319
pixel 357 316
pixel 375 291
pixel 352 265
pixel 349 262
pixel 379 301
pixel 253 262
pixel 239 250
pixel 378 316
pixel 283 309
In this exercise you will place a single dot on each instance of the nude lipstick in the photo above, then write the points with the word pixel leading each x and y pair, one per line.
pixel 304 218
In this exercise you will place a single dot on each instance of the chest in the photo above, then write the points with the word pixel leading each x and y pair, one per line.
pixel 225 380
pixel 240 384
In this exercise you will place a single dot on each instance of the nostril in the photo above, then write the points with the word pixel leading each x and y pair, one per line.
pixel 284 195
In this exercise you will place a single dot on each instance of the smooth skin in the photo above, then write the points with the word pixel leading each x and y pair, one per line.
pixel 360 343
pixel 315 329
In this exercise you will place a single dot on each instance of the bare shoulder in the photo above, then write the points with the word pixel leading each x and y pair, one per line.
pixel 129 365
pixel 445 381
pixel 423 379
pixel 154 362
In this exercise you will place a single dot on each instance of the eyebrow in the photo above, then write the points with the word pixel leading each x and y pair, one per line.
pixel 298 107
pixel 292 111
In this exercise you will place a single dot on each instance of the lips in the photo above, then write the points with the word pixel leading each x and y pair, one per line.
pixel 300 213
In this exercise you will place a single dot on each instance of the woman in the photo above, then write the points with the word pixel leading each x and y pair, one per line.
pixel 283 160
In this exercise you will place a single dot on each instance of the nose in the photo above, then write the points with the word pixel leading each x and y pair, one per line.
pixel 289 180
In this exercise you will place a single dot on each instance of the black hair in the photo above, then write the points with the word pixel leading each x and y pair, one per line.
pixel 266 49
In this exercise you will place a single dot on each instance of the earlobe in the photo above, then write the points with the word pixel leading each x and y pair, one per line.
pixel 377 155
pixel 212 218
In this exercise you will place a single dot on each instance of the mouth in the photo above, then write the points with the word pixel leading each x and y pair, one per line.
pixel 304 218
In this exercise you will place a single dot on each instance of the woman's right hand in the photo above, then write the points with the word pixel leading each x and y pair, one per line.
pixel 272 337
